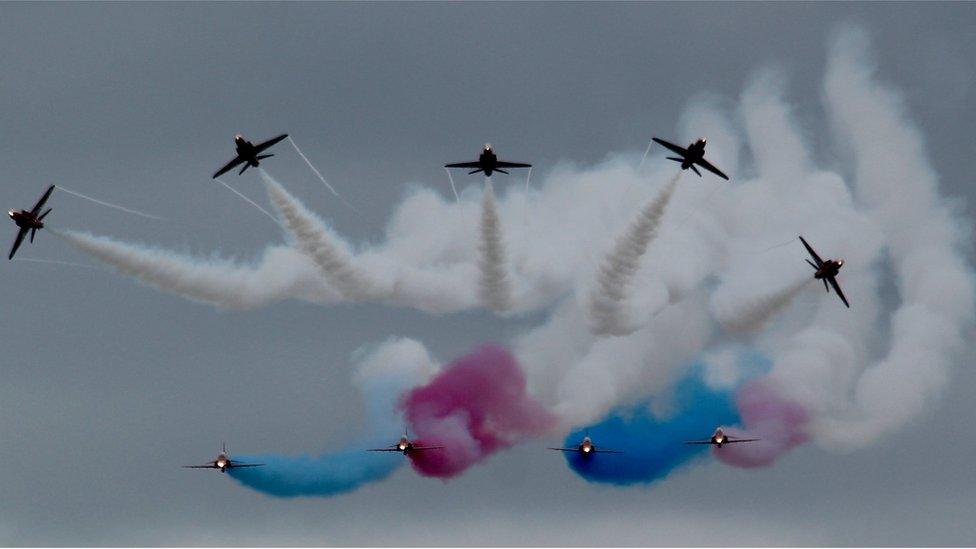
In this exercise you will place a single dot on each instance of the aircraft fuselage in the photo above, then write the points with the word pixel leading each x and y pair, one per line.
pixel 405 445
pixel 586 447
pixel 696 153
pixel 829 269
pixel 245 149
pixel 488 160
pixel 718 438
pixel 24 219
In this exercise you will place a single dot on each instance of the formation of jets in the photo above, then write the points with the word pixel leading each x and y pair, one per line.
pixel 250 155
pixel 223 462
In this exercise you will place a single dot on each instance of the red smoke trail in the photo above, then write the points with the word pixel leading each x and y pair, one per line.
pixel 476 406
pixel 778 423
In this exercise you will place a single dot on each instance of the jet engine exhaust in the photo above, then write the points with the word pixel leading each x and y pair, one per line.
pixel 495 288
pixel 606 301
pixel 315 240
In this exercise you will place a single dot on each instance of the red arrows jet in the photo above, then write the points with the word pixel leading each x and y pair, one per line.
pixel 29 220
pixel 826 271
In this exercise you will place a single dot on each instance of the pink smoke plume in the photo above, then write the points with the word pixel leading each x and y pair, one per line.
pixel 476 406
pixel 779 424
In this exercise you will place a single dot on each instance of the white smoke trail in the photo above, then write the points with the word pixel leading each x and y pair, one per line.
pixel 738 312
pixel 251 202
pixel 108 204
pixel 315 240
pixel 528 178
pixel 495 289
pixel 925 243
pixel 608 299
pixel 453 188
pixel 282 273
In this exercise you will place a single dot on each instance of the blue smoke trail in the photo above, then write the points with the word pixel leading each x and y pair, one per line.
pixel 340 471
pixel 652 447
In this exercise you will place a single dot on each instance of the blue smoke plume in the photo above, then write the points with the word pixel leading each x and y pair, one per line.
pixel 350 467
pixel 652 447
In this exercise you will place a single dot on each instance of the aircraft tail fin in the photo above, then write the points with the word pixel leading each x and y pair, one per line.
pixel 246 166
pixel 472 172
pixel 33 232
pixel 43 215
pixel 826 287
pixel 263 156
pixel 501 171
pixel 694 169
pixel 676 159
pixel 811 264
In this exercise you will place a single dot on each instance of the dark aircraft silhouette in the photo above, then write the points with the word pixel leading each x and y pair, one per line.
pixel 488 163
pixel 29 220
pixel 694 154
pixel 719 438
pixel 826 271
pixel 248 153
pixel 405 446
pixel 586 449
pixel 223 462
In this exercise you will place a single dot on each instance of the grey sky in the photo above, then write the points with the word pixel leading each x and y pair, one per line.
pixel 110 385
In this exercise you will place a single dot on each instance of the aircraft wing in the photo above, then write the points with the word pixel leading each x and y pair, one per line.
pixel 262 146
pixel 464 165
pixel 200 466
pixel 705 164
pixel 20 238
pixel 43 200
pixel 699 442
pixel 239 465
pixel 230 166
pixel 501 164
pixel 840 294
pixel 731 440
pixel 565 449
pixel 390 449
pixel 812 253
pixel 606 451
pixel 670 146
pixel 426 448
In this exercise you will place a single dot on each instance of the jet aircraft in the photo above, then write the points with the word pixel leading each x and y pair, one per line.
pixel 248 153
pixel 694 154
pixel 826 271
pixel 487 162
pixel 586 448
pixel 405 446
pixel 719 438
pixel 29 220
pixel 223 462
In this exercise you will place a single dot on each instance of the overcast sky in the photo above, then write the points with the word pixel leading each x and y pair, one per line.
pixel 109 385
